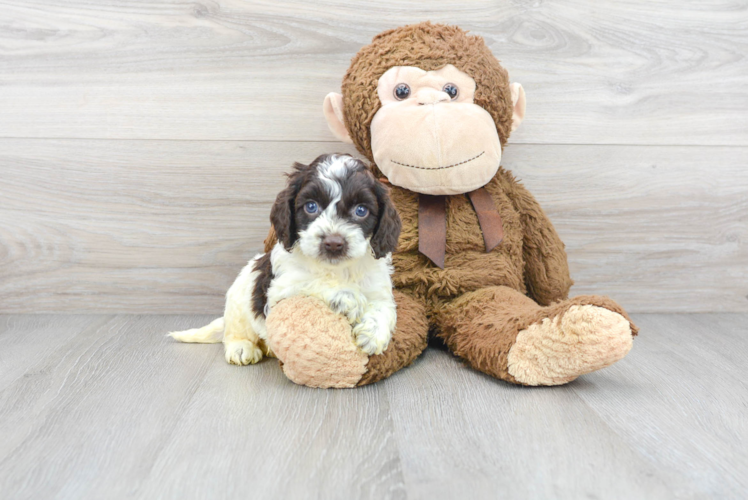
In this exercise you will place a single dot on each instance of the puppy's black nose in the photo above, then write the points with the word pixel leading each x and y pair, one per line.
pixel 334 243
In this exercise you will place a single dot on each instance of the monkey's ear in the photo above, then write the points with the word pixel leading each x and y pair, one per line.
pixel 333 110
pixel 518 105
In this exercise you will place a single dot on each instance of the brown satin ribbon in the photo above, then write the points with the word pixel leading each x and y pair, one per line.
pixel 432 227
pixel 488 217
pixel 432 224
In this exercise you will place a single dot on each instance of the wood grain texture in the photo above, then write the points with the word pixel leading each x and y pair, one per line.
pixel 107 407
pixel 88 419
pixel 165 226
pixel 254 430
pixel 612 72
pixel 466 435
pixel 680 399
pixel 115 219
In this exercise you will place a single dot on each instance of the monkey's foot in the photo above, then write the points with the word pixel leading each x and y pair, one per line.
pixel 557 350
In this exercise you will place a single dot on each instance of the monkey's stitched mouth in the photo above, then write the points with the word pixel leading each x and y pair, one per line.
pixel 440 168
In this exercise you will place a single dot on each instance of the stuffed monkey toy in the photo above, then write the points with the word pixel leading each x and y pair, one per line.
pixel 478 262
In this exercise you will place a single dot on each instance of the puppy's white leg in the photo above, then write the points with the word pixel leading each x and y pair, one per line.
pixel 350 304
pixel 374 332
pixel 240 340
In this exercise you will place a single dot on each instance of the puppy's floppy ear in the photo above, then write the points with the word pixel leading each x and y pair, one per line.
pixel 282 215
pixel 388 226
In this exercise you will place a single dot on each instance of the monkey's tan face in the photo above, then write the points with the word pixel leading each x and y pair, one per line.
pixel 429 136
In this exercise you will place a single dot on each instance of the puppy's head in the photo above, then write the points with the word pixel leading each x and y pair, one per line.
pixel 334 210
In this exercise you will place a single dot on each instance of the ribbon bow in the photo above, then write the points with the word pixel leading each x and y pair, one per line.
pixel 432 224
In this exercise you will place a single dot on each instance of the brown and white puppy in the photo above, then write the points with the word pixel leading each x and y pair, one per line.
pixel 337 229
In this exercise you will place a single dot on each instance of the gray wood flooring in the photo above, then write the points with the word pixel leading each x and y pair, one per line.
pixel 107 407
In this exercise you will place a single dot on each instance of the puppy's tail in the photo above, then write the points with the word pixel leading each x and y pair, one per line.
pixel 209 334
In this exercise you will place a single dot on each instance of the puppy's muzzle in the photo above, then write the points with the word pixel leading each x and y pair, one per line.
pixel 333 246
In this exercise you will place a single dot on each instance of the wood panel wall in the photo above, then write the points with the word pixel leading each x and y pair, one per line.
pixel 141 143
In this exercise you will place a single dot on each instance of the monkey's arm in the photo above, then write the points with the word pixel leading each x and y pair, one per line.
pixel 546 268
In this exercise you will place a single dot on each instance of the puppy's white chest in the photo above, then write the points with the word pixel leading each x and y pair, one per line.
pixel 320 285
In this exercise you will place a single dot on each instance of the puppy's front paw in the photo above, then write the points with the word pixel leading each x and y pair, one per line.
pixel 372 336
pixel 349 304
pixel 242 352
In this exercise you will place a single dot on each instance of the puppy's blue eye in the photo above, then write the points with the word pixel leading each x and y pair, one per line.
pixel 311 207
pixel 361 211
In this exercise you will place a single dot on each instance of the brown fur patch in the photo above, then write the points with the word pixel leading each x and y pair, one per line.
pixel 428 47
pixel 262 283
pixel 270 240
pixel 282 212
pixel 482 326
pixel 546 269
pixel 387 231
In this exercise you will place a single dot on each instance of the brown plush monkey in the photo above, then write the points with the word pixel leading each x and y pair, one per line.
pixel 478 261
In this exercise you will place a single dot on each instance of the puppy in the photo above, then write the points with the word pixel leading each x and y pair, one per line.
pixel 337 229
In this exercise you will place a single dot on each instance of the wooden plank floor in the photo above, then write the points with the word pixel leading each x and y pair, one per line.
pixel 107 407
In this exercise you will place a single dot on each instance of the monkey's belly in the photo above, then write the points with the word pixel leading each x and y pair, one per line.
pixel 463 272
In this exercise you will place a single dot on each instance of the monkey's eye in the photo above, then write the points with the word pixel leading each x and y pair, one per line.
pixel 311 207
pixel 451 90
pixel 361 211
pixel 402 91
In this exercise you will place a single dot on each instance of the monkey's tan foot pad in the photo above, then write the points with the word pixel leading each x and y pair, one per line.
pixel 314 345
pixel 581 340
